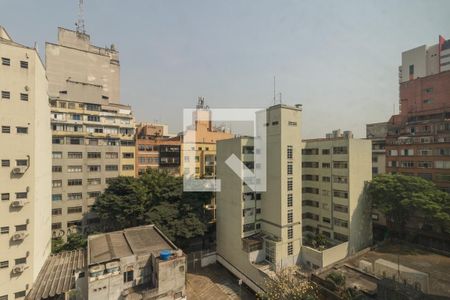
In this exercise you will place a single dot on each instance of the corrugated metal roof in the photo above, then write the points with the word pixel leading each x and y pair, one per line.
pixel 57 275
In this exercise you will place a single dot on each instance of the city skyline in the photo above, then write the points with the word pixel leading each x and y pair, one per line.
pixel 210 50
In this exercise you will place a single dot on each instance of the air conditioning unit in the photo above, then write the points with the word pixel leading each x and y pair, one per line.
pixel 17 269
pixel 18 236
pixel 19 170
pixel 18 203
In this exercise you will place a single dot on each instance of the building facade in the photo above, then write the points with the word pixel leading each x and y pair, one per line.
pixel 260 232
pixel 425 61
pixel 92 134
pixel 418 138
pixel 25 171
pixel 376 132
pixel 335 171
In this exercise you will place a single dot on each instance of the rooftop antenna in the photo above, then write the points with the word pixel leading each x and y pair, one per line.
pixel 80 22
pixel 274 91
pixel 281 102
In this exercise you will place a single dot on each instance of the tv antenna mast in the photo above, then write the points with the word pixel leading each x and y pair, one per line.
pixel 80 22
pixel 274 91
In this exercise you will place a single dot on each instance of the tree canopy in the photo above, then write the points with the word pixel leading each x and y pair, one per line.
pixel 74 241
pixel 287 284
pixel 153 198
pixel 399 197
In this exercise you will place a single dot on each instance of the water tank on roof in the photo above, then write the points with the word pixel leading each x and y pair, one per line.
pixel 165 254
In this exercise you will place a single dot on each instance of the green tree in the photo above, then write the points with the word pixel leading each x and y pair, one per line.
pixel 74 241
pixel 153 198
pixel 399 197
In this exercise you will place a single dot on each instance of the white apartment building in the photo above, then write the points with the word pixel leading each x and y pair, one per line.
pixel 335 171
pixel 25 171
pixel 93 135
pixel 425 60
pixel 260 232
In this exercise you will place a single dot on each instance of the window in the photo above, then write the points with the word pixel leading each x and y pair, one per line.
pixel 56 155
pixel 290 168
pixel 57 141
pixel 4 230
pixel 326 179
pixel 21 195
pixel 22 227
pixel 5 163
pixel 56 197
pixel 94 181
pixel 340 222
pixel 325 151
pixel 411 71
pixel 24 64
pixel 127 167
pixel 6 61
pixel 290 123
pixel 340 208
pixel 290 216
pixel 290 248
pixel 94 194
pixel 56 211
pixel 21 162
pixel 72 182
pixel 19 261
pixel 290 232
pixel 94 155
pixel 289 184
pixel 289 200
pixel 128 155
pixel 56 183
pixel 339 150
pixel 340 179
pixel 111 168
pixel 74 210
pixel 94 168
pixel 5 196
pixel 289 152
pixel 74 196
pixel 128 276
pixel 4 297
pixel 111 155
pixel 326 165
pixel 56 169
pixel 20 294
pixel 340 164
pixel 93 118
pixel 6 95
pixel 326 220
pixel 6 129
pixel 56 225
pixel 75 155
pixel 4 264
pixel 75 169
pixel 23 96
pixel 427 101
pixel 340 194
pixel 75 141
pixel 275 123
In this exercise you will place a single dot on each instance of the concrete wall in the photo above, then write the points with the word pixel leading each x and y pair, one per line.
pixel 324 258
pixel 74 60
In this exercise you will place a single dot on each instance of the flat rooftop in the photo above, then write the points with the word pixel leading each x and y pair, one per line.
pixel 437 266
pixel 141 240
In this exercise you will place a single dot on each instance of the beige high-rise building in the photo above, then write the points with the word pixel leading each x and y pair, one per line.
pixel 335 172
pixel 93 135
pixel 25 171
pixel 260 232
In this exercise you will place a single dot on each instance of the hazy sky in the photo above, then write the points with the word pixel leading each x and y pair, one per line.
pixel 338 58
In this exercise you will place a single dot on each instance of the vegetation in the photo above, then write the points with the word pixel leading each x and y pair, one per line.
pixel 74 241
pixel 399 197
pixel 288 284
pixel 153 198
pixel 337 278
pixel 318 241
